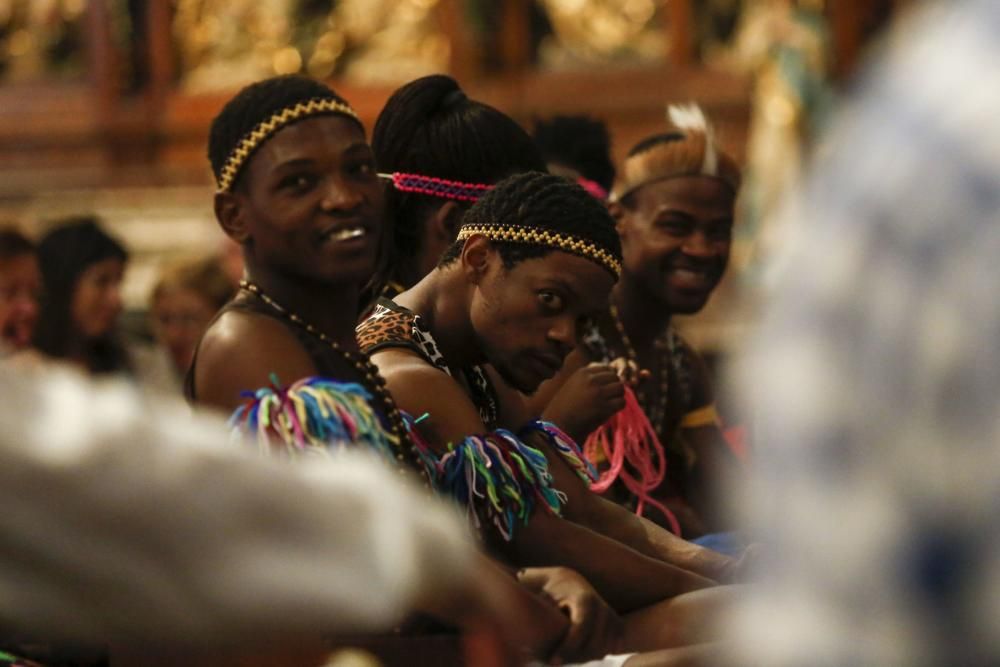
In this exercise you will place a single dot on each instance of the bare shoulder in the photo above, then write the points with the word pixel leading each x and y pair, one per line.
pixel 422 389
pixel 240 352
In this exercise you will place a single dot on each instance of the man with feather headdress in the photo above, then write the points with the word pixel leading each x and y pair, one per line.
pixel 673 202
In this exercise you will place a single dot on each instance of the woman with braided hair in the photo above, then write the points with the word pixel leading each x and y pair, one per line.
pixel 579 148
pixel 534 258
pixel 439 150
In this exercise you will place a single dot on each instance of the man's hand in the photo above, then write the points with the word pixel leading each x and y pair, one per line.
pixel 509 623
pixel 629 371
pixel 595 629
pixel 588 398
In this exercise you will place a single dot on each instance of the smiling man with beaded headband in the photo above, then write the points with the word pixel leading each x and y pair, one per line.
pixel 534 258
pixel 673 202
pixel 297 189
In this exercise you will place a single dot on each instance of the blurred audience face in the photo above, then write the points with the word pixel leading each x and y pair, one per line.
pixel 180 316
pixel 97 299
pixel 20 285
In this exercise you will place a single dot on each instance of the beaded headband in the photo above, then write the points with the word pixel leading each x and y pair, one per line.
pixel 437 187
pixel 249 143
pixel 546 237
pixel 691 151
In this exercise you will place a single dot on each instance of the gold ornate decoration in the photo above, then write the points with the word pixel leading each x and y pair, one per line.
pixel 601 32
pixel 263 130
pixel 545 237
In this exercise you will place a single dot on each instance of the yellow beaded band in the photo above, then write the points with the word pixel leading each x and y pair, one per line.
pixel 268 127
pixel 545 237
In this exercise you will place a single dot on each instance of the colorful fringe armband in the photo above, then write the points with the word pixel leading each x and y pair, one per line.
pixel 565 446
pixel 498 478
pixel 312 415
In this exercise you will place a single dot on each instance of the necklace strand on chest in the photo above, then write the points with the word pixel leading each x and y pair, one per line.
pixel 361 363
pixel 656 413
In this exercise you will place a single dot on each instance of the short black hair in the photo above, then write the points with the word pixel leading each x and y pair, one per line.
pixel 255 104
pixel 580 143
pixel 540 201
pixel 14 244
pixel 430 127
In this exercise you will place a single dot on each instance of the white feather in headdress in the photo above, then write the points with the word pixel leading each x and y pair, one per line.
pixel 690 118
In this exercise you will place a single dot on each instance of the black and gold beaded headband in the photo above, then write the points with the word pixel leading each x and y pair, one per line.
pixel 249 143
pixel 546 237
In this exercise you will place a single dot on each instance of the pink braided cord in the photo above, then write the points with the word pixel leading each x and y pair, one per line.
pixel 593 188
pixel 635 456
pixel 437 187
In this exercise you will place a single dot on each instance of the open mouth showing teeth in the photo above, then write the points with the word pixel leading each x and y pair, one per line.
pixel 691 279
pixel 346 234
pixel 690 275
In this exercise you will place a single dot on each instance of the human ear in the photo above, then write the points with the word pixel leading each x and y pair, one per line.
pixel 229 214
pixel 478 254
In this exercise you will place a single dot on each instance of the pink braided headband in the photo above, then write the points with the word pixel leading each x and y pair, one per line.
pixel 593 188
pixel 437 187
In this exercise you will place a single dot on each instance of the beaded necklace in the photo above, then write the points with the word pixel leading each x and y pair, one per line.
pixel 372 378
pixel 656 413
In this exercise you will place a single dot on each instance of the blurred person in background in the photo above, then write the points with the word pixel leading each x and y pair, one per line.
pixel 20 288
pixel 82 268
pixel 186 297
pixel 138 524
pixel 579 148
pixel 874 380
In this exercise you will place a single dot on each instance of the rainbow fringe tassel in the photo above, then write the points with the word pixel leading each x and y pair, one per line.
pixel 498 478
pixel 629 443
pixel 312 415
pixel 565 446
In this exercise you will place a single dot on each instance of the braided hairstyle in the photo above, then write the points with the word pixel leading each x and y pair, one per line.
pixel 544 202
pixel 430 127
pixel 255 104
pixel 580 143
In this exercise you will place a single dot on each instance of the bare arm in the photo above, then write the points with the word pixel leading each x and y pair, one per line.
pixel 538 401
pixel 612 520
pixel 529 623
pixel 240 352
pixel 626 578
